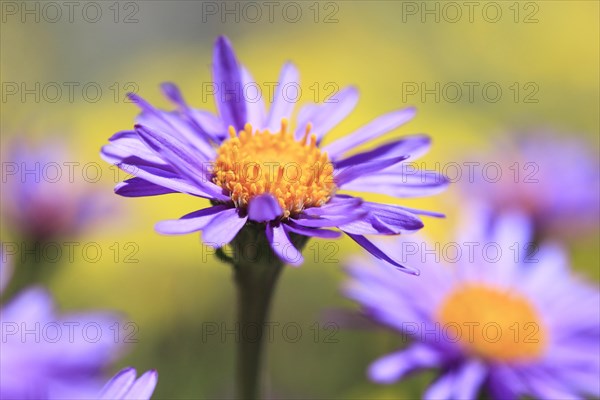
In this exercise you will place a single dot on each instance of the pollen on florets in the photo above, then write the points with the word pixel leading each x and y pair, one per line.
pixel 502 325
pixel 253 162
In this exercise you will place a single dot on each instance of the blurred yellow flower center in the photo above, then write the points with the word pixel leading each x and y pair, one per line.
pixel 255 162
pixel 493 324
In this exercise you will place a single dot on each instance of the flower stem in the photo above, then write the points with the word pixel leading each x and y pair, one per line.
pixel 256 269
pixel 255 290
pixel 29 268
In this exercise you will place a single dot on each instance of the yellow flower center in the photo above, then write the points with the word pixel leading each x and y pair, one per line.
pixel 255 162
pixel 492 323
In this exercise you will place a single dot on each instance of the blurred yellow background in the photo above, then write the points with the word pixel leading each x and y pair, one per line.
pixel 379 46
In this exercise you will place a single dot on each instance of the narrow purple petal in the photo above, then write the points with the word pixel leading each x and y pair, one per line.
pixel 283 102
pixel 264 208
pixel 137 187
pixel 193 169
pixel 332 219
pixel 127 144
pixel 424 212
pixel 395 216
pixel 211 124
pixel 119 385
pixel 282 245
pixel 143 387
pixel 413 146
pixel 191 222
pixel 174 152
pixel 372 130
pixel 228 79
pixel 351 173
pixel 255 103
pixel 384 219
pixel 392 367
pixel 175 124
pixel 171 181
pixel 462 382
pixel 401 181
pixel 338 205
pixel 291 226
pixel 375 251
pixel 324 117
pixel 172 92
pixel 223 228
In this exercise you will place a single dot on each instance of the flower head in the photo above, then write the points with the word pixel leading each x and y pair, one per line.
pixel 515 324
pixel 41 199
pixel 554 179
pixel 46 355
pixel 256 169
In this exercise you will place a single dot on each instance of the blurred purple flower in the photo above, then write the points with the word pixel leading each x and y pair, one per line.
pixel 45 355
pixel 42 193
pixel 514 328
pixel 554 179
pixel 252 167
pixel 125 386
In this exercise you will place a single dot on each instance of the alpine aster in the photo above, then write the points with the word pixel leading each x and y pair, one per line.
pixel 255 169
pixel 515 325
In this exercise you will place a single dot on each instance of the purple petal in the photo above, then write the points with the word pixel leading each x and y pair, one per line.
pixel 372 130
pixel 282 245
pixel 324 117
pixel 143 388
pixel 126 144
pixel 176 125
pixel 384 219
pixel 264 208
pixel 207 124
pixel 119 385
pixel 31 305
pixel 191 222
pixel 171 181
pixel 413 146
pixel 282 106
pixel 172 92
pixel 424 212
pixel 228 78
pixel 392 367
pixel 351 173
pixel 175 153
pixel 333 218
pixel 397 182
pixel 211 124
pixel 338 205
pixel 255 104
pixel 291 226
pixel 463 382
pixel 137 187
pixel 184 162
pixel 223 228
pixel 375 251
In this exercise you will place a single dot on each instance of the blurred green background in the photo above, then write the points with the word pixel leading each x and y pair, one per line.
pixel 176 289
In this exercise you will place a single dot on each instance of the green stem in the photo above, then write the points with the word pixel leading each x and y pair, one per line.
pixel 256 269
pixel 29 268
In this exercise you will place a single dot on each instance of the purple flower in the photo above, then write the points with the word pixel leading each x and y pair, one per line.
pixel 45 355
pixel 519 324
pixel 256 169
pixel 125 386
pixel 42 196
pixel 554 179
